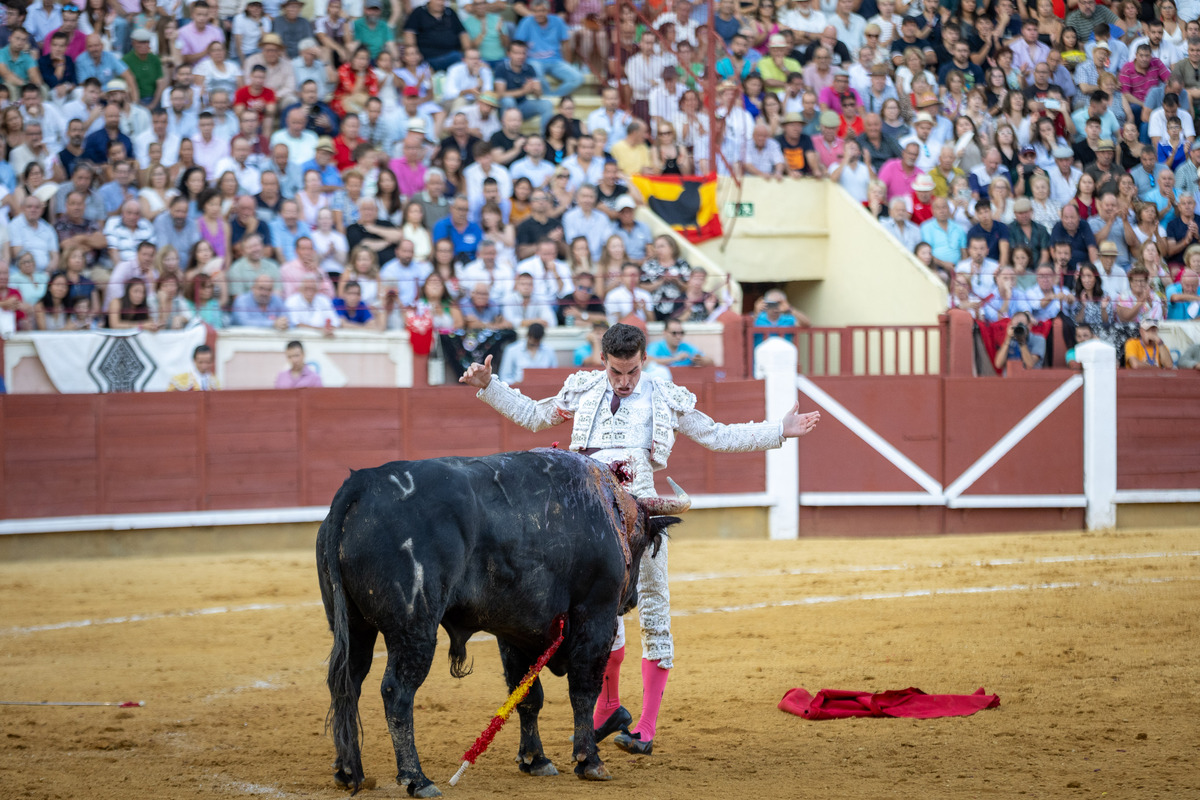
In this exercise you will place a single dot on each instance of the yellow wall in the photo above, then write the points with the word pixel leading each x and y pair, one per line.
pixel 839 265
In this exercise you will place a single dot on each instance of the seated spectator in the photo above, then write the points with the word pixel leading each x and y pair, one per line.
pixel 773 310
pixel 31 233
pixel 632 153
pixel 1021 344
pixel 898 224
pixel 1141 303
pixel 168 307
pixel 530 354
pixel 1148 351
pixel 125 232
pixel 308 308
pixel 353 312
pixel 202 377
pixel 1183 296
pixel 673 351
pixel 946 237
pixel 522 308
pixel 131 309
pixel 204 303
pixel 629 297
pixel 261 307
pixel 439 33
pixel 581 307
pixel 829 147
pixel 25 277
pixel 299 374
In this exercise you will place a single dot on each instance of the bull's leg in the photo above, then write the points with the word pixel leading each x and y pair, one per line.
pixel 410 653
pixel 347 769
pixel 590 643
pixel 530 757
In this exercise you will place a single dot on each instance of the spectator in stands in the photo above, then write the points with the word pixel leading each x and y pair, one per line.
pixel 1078 236
pixel 995 233
pixel 773 310
pixel 796 147
pixel 253 263
pixel 352 312
pixel 899 173
pixel 202 377
pixel 673 351
pixel 31 233
pixel 299 374
pixel 1020 342
pixel 946 237
pixel 126 231
pixel 1024 232
pixel 1147 351
pixel 439 32
pixel 522 308
pixel 530 354
pixel 131 310
pixel 899 225
pixel 309 308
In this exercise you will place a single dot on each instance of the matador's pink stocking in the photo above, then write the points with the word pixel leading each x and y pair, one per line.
pixel 654 682
pixel 610 695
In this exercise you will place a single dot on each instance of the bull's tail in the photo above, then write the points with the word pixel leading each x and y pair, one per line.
pixel 342 720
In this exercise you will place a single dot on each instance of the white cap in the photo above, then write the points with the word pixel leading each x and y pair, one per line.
pixel 624 202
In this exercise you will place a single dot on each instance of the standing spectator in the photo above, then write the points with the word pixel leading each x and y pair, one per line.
pixel 299 374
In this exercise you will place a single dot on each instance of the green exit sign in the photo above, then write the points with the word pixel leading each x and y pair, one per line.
pixel 739 209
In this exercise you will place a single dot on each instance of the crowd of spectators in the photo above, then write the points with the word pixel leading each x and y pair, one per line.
pixel 378 164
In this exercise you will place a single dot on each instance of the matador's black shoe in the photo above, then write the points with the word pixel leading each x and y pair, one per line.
pixel 617 721
pixel 632 743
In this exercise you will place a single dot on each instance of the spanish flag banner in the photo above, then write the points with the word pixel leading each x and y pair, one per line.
pixel 687 204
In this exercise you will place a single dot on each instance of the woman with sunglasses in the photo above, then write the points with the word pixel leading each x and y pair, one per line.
pixel 666 156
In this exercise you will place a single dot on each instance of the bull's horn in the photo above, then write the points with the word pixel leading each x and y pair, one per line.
pixel 663 506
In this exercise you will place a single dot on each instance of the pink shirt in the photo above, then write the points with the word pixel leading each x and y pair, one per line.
pixel 308 379
pixel 193 41
pixel 76 45
pixel 898 181
pixel 409 179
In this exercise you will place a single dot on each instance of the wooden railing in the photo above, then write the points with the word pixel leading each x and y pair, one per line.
pixel 860 350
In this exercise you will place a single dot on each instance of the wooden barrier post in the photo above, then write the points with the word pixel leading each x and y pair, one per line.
pixel 1099 362
pixel 777 360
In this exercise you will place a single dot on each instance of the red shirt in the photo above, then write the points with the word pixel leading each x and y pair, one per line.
pixel 343 153
pixel 11 292
pixel 255 102
pixel 921 212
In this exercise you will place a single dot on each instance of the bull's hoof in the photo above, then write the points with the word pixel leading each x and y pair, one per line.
pixel 540 767
pixel 595 772
pixel 352 783
pixel 428 790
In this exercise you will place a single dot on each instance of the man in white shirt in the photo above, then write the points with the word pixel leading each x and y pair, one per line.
pixel 1160 47
pixel 308 308
pixel 301 143
pixel 1064 176
pixel 681 17
pixel 488 268
pixel 529 354
pixel 583 165
pixel 930 147
pixel 1170 108
pixel 807 23
pixel 466 79
pixel 404 275
pixel 54 126
pixel 551 277
pixel 898 224
pixel 485 166
pixel 533 165
pixel 610 117
pixel 978 267
pixel 482 119
pixel 249 177
pixel 30 232
pixel 584 220
pixel 522 309
pixel 629 297
pixel 664 98
pixel 159 132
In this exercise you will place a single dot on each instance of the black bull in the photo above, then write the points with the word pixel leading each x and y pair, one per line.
pixel 504 544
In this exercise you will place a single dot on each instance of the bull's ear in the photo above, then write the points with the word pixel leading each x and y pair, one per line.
pixel 656 529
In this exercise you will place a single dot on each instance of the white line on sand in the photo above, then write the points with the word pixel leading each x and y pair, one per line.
pixel 700 576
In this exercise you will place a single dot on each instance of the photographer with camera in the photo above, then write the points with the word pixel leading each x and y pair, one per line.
pixel 1148 351
pixel 1021 343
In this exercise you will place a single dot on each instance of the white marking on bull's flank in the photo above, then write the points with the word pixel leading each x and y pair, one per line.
pixel 405 492
pixel 1017 587
pixel 418 581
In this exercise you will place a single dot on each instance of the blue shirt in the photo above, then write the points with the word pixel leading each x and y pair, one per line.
pixel 329 174
pixel 512 78
pixel 1184 311
pixel 763 321
pixel 95 146
pixel 682 357
pixel 465 243
pixel 285 240
pixel 545 43
pixel 247 312
pixel 109 67
pixel 947 244
pixel 361 315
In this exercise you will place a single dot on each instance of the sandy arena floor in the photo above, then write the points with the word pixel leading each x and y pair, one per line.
pixel 1091 642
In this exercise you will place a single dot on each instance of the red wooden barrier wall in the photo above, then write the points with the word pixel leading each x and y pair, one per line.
pixel 1158 430
pixel 67 455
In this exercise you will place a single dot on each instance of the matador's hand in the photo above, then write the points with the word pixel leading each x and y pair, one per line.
pixel 478 375
pixel 796 424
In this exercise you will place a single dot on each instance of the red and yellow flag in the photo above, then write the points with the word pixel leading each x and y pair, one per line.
pixel 688 204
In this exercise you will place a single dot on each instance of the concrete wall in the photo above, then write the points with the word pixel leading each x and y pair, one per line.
pixel 839 265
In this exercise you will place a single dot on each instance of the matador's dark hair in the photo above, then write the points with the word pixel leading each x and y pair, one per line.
pixel 623 341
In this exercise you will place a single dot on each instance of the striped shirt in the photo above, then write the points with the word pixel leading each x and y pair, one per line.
pixel 1137 85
